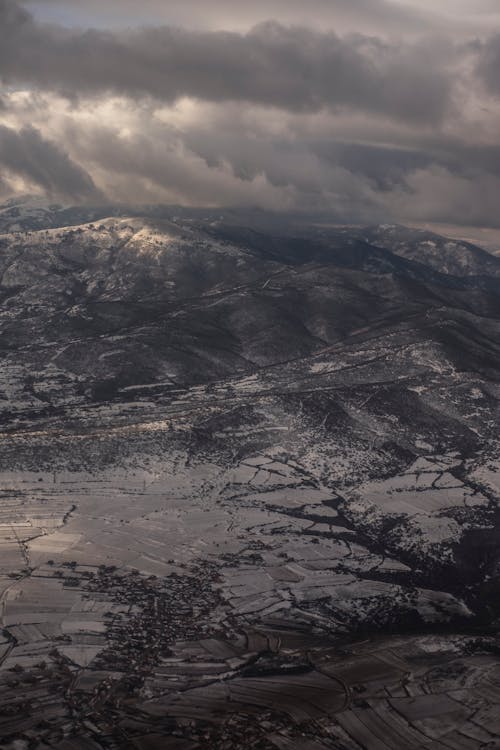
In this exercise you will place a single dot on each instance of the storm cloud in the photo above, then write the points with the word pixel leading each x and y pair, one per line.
pixel 488 66
pixel 292 68
pixel 364 109
pixel 25 153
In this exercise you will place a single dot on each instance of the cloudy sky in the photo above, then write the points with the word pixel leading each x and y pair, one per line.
pixel 364 110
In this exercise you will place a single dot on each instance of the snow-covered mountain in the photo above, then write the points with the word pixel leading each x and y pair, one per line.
pixel 450 256
pixel 227 451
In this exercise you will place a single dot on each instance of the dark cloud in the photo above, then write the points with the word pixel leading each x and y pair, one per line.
pixel 349 181
pixel 282 157
pixel 296 69
pixel 378 119
pixel 488 66
pixel 28 155
pixel 389 166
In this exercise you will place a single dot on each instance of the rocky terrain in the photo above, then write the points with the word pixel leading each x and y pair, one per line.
pixel 249 484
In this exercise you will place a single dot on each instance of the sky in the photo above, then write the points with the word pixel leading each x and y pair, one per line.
pixel 359 110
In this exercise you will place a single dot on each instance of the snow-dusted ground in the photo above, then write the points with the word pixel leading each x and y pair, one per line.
pixel 222 489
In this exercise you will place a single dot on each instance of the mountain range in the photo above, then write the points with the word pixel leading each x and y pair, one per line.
pixel 243 451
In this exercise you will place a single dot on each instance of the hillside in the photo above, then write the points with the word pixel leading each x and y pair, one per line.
pixel 247 473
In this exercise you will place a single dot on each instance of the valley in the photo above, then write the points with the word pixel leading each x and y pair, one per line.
pixel 249 485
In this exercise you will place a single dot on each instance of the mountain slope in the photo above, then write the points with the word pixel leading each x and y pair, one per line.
pixel 453 257
pixel 249 484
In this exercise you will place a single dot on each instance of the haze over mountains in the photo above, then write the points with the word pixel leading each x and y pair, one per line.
pixel 234 459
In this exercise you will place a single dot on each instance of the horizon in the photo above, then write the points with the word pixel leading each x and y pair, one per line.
pixel 488 238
